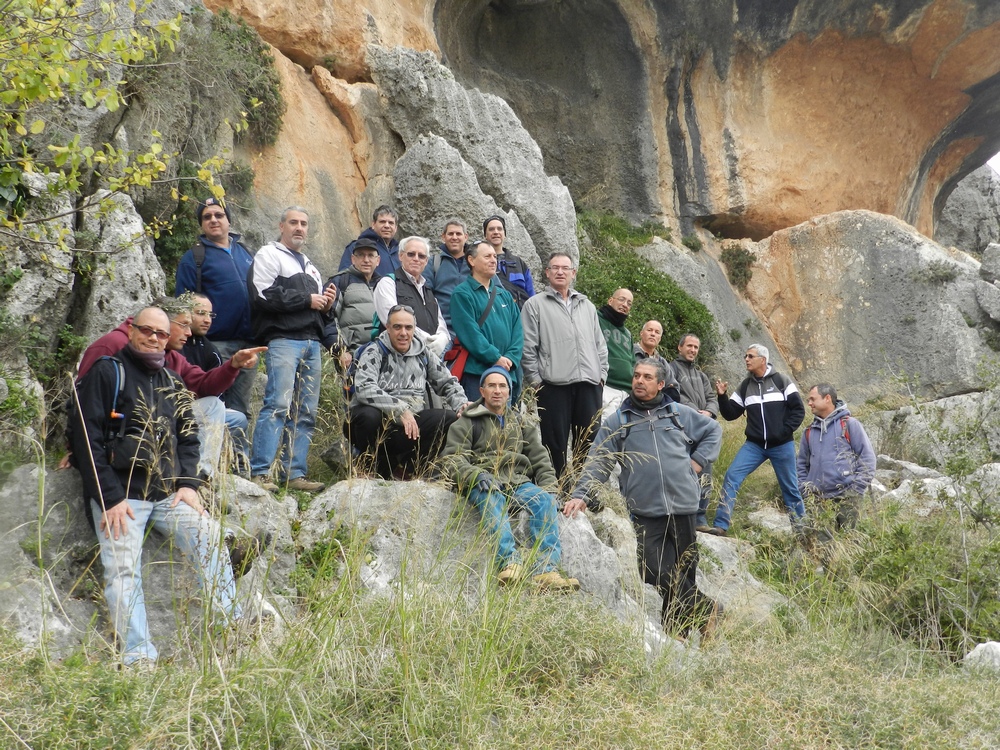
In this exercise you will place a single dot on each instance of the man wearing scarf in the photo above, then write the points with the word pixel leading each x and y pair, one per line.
pixel 135 439
pixel 661 446
pixel 621 357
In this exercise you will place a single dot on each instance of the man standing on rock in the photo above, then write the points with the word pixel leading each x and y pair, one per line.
pixel 449 267
pixel 291 311
pixel 382 233
pixel 217 266
pixel 353 321
pixel 135 439
pixel 621 354
pixel 774 411
pixel 487 322
pixel 661 446
pixel 512 271
pixel 836 463
pixel 496 458
pixel 566 358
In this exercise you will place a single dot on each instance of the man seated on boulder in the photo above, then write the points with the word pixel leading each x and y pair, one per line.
pixel 136 442
pixel 200 351
pixel 392 414
pixel 206 386
pixel 496 458
pixel 408 286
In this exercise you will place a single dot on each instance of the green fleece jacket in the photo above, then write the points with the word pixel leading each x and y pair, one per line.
pixel 510 448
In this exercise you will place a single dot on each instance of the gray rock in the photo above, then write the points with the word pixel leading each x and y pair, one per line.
pixel 984 656
pixel 856 297
pixel 988 297
pixel 51 577
pixel 434 183
pixel 970 219
pixel 125 273
pixel 424 98
pixel 990 268
pixel 771 519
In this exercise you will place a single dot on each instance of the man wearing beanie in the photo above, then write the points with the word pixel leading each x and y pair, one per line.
pixel 496 458
pixel 217 267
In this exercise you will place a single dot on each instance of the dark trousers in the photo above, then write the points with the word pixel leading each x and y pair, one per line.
pixel 372 431
pixel 562 408
pixel 668 560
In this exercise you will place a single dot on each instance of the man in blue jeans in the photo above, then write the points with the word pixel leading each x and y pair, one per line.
pixel 290 311
pixel 774 411
pixel 496 457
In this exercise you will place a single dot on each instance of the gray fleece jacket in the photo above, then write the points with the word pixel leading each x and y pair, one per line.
pixel 563 342
pixel 655 454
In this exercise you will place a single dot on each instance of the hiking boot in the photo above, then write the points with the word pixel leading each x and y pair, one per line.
pixel 305 485
pixel 243 550
pixel 556 581
pixel 512 574
pixel 717 531
pixel 264 483
pixel 338 457
pixel 704 528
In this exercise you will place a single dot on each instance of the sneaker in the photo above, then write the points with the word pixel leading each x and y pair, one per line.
pixel 512 574
pixel 264 483
pixel 556 581
pixel 305 485
pixel 243 550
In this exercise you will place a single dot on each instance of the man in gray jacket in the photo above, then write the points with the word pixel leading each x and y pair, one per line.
pixel 661 446
pixel 392 413
pixel 566 358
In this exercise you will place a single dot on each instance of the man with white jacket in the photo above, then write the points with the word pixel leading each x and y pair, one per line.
pixel 566 358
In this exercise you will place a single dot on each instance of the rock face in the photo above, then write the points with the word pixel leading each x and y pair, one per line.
pixel 970 219
pixel 855 297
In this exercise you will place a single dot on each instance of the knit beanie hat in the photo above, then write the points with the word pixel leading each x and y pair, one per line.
pixel 495 369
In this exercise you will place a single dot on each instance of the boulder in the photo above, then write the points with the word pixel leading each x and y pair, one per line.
pixel 855 298
pixel 424 98
pixel 988 297
pixel 990 268
pixel 124 274
pixel 51 577
pixel 970 219
pixel 434 183
pixel 983 656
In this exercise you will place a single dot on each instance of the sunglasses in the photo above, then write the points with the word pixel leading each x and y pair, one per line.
pixel 148 331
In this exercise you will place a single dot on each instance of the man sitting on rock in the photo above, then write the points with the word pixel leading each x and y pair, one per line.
pixel 392 414
pixel 497 459
pixel 133 432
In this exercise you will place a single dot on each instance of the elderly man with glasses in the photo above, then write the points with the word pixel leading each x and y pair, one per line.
pixel 407 286
pixel 392 414
pixel 774 411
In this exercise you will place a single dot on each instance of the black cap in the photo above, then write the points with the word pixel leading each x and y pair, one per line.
pixel 211 202
pixel 364 243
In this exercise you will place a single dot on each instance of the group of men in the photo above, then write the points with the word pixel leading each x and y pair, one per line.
pixel 437 347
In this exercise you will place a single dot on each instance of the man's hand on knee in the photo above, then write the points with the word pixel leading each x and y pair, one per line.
pixel 189 497
pixel 114 520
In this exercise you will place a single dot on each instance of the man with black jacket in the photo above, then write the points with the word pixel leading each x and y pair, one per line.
pixel 291 311
pixel 774 411
pixel 133 433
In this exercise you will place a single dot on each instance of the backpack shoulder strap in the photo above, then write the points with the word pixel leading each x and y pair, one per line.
pixel 198 251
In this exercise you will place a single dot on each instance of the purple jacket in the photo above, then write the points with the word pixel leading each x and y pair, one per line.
pixel 835 456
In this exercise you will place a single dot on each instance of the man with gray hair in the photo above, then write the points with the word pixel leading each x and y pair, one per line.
pixel 407 286
pixel 774 411
pixel 290 311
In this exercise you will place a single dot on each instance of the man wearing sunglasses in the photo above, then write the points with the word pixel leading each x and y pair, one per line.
pixel 132 429
pixel 774 411
pixel 408 286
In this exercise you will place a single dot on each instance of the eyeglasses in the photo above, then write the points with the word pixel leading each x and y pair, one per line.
pixel 211 217
pixel 750 356
pixel 182 326
pixel 148 331
pixel 421 256
pixel 399 308
pixel 560 268
pixel 204 312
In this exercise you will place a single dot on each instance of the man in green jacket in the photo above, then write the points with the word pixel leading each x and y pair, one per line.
pixel 621 356
pixel 496 457
pixel 499 339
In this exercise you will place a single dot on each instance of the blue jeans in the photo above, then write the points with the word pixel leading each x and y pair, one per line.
pixel 288 416
pixel 748 458
pixel 196 535
pixel 543 523
pixel 238 395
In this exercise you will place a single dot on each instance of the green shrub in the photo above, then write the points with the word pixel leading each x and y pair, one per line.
pixel 738 262
pixel 936 272
pixel 609 263
pixel 691 242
